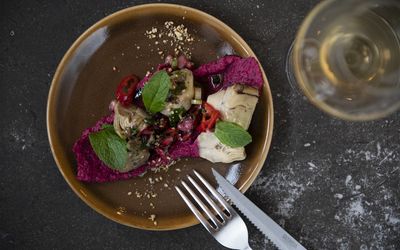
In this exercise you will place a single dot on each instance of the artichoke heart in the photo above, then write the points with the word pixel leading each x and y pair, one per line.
pixel 127 119
pixel 210 148
pixel 235 103
pixel 184 97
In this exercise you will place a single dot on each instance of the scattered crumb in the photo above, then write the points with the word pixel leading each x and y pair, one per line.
pixel 176 35
pixel 129 193
pixel 152 217
pixel 151 181
pixel 121 210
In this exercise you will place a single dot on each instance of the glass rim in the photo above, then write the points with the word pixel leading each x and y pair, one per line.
pixel 304 87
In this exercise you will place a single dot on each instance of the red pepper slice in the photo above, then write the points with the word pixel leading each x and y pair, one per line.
pixel 126 89
pixel 210 117
pixel 167 141
pixel 146 131
pixel 186 137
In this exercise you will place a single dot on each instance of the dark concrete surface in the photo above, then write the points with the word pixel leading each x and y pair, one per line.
pixel 331 184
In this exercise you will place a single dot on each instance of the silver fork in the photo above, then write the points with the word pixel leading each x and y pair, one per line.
pixel 223 222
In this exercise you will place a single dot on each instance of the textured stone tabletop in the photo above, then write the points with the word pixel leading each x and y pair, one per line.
pixel 332 184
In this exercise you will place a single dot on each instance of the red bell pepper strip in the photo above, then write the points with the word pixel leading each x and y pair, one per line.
pixel 210 117
pixel 126 89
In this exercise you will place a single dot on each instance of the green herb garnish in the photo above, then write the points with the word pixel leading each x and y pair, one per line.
pixel 109 147
pixel 231 134
pixel 107 126
pixel 176 116
pixel 155 92
pixel 174 63
pixel 179 87
pixel 149 121
pixel 134 131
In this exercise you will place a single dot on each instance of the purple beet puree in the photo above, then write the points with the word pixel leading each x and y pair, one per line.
pixel 233 69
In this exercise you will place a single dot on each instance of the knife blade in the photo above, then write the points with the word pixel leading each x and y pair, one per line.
pixel 277 235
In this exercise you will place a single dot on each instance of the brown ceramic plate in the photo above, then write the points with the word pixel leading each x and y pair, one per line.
pixel 84 85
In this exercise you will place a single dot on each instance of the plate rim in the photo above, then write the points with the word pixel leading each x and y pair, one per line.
pixel 55 144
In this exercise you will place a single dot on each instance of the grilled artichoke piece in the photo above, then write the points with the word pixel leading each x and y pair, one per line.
pixel 184 91
pixel 128 119
pixel 210 148
pixel 235 103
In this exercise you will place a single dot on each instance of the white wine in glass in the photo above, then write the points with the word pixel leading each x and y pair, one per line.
pixel 346 58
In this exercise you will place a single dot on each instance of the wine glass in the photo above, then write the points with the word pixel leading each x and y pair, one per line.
pixel 346 58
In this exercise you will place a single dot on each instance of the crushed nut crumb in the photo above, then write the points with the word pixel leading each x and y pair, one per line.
pixel 151 180
pixel 177 35
pixel 152 217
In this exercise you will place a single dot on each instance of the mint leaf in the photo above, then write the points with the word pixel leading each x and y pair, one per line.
pixel 231 134
pixel 155 92
pixel 105 125
pixel 109 147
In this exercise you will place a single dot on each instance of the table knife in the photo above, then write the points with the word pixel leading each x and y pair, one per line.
pixel 277 235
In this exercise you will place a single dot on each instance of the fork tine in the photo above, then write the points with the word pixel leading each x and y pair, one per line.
pixel 209 200
pixel 215 193
pixel 196 212
pixel 210 215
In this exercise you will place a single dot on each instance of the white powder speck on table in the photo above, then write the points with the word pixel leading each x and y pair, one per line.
pixel 347 182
